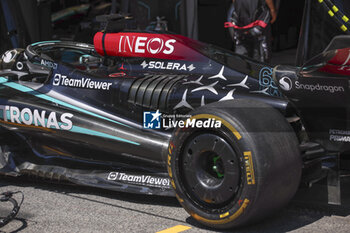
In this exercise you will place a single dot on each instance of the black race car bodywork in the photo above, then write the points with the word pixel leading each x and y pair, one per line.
pixel 77 112
pixel 88 125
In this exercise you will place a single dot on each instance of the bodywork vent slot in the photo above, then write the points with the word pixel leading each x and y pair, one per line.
pixel 152 91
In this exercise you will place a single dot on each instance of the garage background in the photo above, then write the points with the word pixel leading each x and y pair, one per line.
pixel 26 21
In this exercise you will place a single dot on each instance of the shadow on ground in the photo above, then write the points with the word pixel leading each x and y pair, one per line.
pixel 308 206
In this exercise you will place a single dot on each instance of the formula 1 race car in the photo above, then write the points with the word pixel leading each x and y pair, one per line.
pixel 158 113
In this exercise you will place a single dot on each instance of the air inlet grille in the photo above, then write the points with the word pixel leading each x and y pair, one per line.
pixel 152 91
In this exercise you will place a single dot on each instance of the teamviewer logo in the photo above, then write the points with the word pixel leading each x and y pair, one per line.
pixel 56 79
pixel 151 120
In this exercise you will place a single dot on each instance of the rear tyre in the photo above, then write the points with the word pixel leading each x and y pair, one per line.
pixel 236 174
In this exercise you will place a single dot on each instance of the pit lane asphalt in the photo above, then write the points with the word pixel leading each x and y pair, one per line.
pixel 52 207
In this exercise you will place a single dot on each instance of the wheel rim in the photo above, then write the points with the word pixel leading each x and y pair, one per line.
pixel 210 170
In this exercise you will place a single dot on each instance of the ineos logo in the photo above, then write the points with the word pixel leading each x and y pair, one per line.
pixel 285 83
pixel 143 44
pixel 154 41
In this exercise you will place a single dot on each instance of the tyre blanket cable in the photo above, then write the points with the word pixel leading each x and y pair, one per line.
pixel 335 13
pixel 8 197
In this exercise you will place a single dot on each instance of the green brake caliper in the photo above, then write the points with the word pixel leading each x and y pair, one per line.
pixel 215 167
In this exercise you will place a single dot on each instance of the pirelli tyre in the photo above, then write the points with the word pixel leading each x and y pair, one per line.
pixel 238 173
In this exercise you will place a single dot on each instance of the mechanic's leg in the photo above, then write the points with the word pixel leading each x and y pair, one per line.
pixel 268 43
pixel 256 50
pixel 264 50
pixel 241 48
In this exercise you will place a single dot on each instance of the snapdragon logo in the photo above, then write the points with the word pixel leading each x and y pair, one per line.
pixel 156 120
pixel 87 83
pixel 318 87
pixel 285 83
